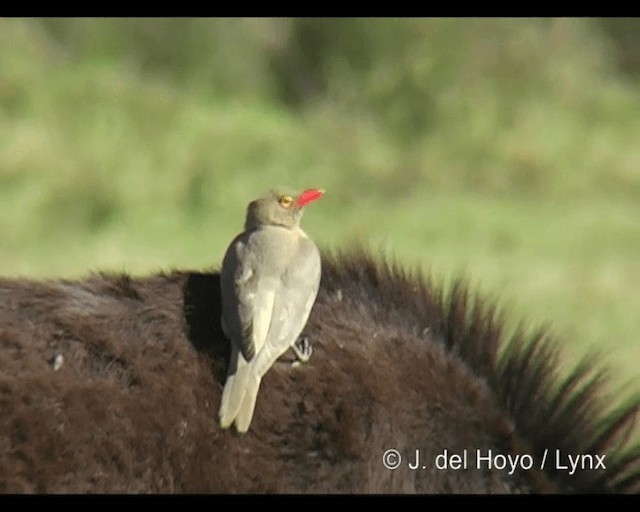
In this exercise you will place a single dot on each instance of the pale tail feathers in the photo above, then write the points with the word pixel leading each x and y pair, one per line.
pixel 240 393
pixel 245 414
pixel 234 388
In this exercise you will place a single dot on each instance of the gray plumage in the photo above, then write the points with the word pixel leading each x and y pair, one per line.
pixel 269 281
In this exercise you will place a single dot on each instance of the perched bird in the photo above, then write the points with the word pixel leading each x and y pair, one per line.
pixel 269 282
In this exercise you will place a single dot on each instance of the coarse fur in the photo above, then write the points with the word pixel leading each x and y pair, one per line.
pixel 112 384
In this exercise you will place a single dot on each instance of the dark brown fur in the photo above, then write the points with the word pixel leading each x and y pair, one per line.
pixel 397 363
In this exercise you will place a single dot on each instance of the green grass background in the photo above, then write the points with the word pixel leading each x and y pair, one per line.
pixel 505 150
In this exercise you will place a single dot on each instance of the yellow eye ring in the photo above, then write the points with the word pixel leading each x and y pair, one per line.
pixel 286 201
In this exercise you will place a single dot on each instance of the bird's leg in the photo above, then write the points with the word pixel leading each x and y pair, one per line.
pixel 303 350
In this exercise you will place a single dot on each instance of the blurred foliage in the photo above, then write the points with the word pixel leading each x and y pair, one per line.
pixel 624 34
pixel 506 147
pixel 476 94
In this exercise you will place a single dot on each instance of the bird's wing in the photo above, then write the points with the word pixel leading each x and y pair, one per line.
pixel 248 294
pixel 291 308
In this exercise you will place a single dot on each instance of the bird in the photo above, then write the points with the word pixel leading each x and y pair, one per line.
pixel 269 281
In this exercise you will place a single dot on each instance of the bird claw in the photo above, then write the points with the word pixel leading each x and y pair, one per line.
pixel 303 350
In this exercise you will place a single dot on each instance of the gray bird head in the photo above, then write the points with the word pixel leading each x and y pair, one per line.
pixel 279 208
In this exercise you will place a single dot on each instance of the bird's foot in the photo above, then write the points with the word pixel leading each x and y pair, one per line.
pixel 303 350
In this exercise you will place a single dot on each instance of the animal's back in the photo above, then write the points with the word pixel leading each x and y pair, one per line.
pixel 131 404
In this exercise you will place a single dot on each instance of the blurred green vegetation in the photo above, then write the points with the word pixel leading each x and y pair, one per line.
pixel 505 149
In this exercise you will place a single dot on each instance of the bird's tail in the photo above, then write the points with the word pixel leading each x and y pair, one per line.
pixel 240 393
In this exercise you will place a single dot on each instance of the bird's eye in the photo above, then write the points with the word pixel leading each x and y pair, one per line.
pixel 286 201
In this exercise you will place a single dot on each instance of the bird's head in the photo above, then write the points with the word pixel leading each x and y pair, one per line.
pixel 279 208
